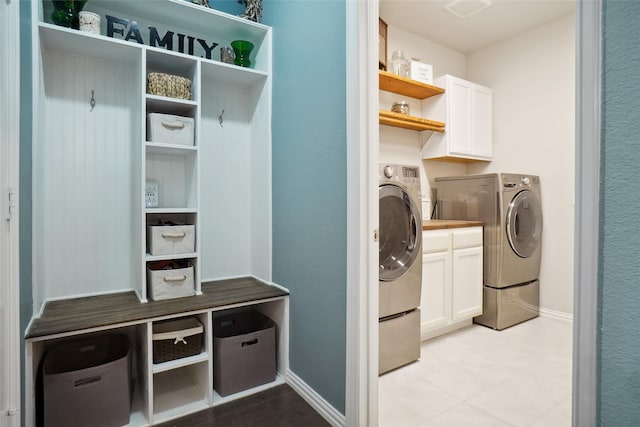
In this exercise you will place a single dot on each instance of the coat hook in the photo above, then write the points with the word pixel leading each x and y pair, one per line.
pixel 92 102
pixel 220 119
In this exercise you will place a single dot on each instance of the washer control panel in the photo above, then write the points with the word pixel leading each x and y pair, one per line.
pixel 511 181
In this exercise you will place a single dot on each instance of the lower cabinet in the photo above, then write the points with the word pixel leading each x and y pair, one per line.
pixel 167 381
pixel 451 279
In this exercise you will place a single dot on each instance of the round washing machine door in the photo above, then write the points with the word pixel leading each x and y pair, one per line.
pixel 400 232
pixel 524 223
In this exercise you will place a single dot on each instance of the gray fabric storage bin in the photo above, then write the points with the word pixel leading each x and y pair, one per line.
pixel 244 351
pixel 87 383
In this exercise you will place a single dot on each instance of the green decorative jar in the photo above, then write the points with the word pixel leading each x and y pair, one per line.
pixel 65 12
pixel 242 50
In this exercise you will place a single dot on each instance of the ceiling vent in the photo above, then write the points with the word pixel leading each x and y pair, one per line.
pixel 466 8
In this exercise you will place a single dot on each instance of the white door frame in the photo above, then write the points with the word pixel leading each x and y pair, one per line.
pixel 9 266
pixel 588 110
pixel 362 213
pixel 362 142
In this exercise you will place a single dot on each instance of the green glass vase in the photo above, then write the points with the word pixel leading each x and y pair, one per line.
pixel 66 12
pixel 242 49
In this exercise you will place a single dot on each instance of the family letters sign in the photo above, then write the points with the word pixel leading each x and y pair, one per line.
pixel 183 43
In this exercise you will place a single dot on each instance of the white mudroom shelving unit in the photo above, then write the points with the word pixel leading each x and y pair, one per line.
pixel 92 157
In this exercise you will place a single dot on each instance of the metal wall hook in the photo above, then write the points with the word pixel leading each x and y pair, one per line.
pixel 92 102
pixel 220 118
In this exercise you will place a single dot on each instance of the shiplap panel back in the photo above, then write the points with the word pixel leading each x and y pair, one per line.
pixel 261 184
pixel 225 197
pixel 86 174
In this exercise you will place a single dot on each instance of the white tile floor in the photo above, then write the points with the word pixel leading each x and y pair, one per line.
pixel 480 377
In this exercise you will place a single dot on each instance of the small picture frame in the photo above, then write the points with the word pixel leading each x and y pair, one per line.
pixel 382 45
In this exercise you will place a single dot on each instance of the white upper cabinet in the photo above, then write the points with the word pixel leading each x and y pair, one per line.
pixel 466 109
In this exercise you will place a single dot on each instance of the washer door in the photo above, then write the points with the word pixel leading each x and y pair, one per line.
pixel 400 232
pixel 524 223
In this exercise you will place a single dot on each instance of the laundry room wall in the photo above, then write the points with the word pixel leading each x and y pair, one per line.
pixel 403 146
pixel 533 79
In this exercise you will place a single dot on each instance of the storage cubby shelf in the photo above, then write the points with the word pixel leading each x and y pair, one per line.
pixel 221 400
pixel 180 363
pixel 172 256
pixel 172 149
pixel 170 210
pixel 172 103
pixel 58 38
pixel 53 37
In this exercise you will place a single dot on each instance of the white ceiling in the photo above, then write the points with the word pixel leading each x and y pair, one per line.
pixel 500 21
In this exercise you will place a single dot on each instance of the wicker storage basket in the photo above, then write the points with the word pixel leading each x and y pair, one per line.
pixel 175 339
pixel 169 85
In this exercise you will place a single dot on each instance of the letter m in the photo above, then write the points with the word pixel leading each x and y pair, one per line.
pixel 166 41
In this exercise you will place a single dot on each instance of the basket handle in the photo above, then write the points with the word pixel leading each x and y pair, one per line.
pixel 175 279
pixel 173 125
pixel 87 381
pixel 173 235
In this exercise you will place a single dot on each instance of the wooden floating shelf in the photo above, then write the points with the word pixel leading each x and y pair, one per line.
pixel 405 86
pixel 409 122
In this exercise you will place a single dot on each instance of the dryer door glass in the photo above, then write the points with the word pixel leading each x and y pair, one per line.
pixel 400 232
pixel 524 223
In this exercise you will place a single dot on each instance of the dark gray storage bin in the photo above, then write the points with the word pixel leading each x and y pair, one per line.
pixel 87 382
pixel 244 351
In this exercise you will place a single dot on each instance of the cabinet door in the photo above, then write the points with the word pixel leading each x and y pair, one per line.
pixel 481 116
pixel 435 300
pixel 459 116
pixel 466 283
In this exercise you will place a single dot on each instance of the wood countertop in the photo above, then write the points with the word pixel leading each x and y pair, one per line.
pixel 76 314
pixel 440 224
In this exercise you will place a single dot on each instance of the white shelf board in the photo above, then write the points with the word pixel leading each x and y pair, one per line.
pixel 150 257
pixel 180 363
pixel 172 149
pixel 176 394
pixel 69 40
pixel 241 76
pixel 182 14
pixel 220 400
pixel 170 210
pixel 165 104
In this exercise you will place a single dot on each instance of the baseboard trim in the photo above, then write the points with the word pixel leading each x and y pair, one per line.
pixel 556 315
pixel 317 402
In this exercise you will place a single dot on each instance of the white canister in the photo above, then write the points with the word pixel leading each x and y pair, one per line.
pixel 89 22
pixel 426 208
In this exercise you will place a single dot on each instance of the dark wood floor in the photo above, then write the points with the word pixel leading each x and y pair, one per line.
pixel 280 406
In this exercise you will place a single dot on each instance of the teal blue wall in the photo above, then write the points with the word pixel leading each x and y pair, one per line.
pixel 619 281
pixel 309 185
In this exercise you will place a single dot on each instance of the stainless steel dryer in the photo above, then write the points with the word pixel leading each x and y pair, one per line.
pixel 509 205
pixel 400 265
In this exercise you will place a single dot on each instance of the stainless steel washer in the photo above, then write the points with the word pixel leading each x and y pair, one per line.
pixel 509 205
pixel 400 265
